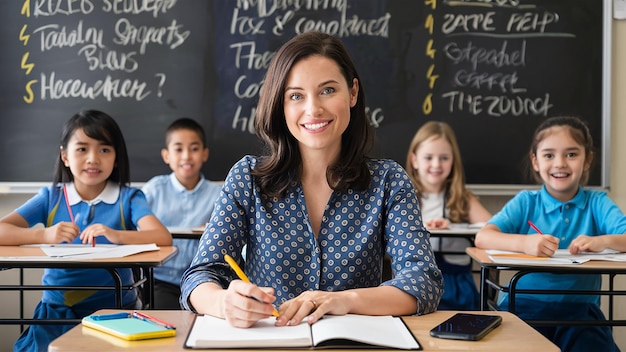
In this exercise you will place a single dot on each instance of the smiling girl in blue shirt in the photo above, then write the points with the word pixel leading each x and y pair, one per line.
pixel 89 198
pixel 569 217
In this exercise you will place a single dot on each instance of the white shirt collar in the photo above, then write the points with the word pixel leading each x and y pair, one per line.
pixel 109 194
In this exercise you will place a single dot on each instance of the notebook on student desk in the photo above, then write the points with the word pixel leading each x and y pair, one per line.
pixel 128 327
pixel 332 331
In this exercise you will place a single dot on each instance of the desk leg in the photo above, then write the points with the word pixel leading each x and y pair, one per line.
pixel 118 287
pixel 611 288
pixel 148 288
pixel 21 299
pixel 513 289
pixel 484 273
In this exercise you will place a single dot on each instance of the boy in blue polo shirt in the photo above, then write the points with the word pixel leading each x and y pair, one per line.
pixel 183 198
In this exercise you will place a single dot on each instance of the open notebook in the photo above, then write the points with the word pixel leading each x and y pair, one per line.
pixel 331 331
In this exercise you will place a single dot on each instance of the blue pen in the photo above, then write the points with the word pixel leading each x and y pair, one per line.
pixel 111 316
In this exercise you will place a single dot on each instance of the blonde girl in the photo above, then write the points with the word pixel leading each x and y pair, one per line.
pixel 436 170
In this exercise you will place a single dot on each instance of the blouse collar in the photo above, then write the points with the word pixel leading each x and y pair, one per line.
pixel 109 194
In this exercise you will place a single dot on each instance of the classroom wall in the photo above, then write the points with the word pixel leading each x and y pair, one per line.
pixel 617 191
pixel 618 146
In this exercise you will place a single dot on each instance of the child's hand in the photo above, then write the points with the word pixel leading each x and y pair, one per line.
pixel 584 243
pixel 437 224
pixel 92 231
pixel 541 245
pixel 61 232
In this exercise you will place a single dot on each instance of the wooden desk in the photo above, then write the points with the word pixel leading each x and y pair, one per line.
pixel 594 267
pixel 467 233
pixel 512 335
pixel 190 233
pixel 18 257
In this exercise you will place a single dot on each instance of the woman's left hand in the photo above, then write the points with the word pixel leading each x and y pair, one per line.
pixel 312 305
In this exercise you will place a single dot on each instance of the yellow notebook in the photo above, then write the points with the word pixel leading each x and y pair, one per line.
pixel 128 328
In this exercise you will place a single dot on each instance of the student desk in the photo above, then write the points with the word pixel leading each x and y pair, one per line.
pixel 467 233
pixel 487 267
pixel 144 262
pixel 512 335
pixel 185 232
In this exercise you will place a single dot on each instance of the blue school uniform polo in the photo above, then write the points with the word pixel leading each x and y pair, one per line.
pixel 116 207
pixel 590 213
pixel 174 205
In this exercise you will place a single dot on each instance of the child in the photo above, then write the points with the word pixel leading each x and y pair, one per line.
pixel 434 165
pixel 88 199
pixel 561 154
pixel 182 198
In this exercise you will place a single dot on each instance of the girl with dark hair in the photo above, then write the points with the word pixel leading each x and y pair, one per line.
pixel 90 198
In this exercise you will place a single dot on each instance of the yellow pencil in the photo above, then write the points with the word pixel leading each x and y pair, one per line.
pixel 242 275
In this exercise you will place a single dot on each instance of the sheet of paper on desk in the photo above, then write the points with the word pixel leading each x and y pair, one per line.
pixel 102 251
pixel 464 225
pixel 178 229
pixel 562 256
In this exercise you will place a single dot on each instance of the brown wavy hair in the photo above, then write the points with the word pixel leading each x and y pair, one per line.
pixel 281 165
pixel 457 194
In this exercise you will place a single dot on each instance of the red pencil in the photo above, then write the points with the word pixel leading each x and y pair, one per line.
pixel 534 227
pixel 69 210
pixel 154 320
pixel 67 202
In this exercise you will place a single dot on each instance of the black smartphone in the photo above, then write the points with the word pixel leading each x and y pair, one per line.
pixel 466 326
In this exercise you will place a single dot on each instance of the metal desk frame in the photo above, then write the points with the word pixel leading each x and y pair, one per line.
pixel 489 286
pixel 142 265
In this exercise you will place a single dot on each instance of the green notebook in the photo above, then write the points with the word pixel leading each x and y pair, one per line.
pixel 129 328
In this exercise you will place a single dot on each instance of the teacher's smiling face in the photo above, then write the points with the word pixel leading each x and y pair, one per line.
pixel 317 104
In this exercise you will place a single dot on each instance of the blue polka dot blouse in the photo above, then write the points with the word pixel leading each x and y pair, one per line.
pixel 357 229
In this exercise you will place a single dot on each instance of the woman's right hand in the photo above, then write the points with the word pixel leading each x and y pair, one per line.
pixel 61 232
pixel 243 304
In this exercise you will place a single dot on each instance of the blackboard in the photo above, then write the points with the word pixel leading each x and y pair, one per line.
pixel 493 69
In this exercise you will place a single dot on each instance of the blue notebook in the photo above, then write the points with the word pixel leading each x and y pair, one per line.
pixel 128 328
